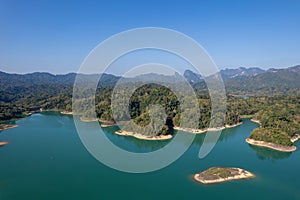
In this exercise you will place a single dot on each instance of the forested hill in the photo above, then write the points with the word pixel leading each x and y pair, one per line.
pixel 42 78
pixel 21 94
pixel 270 82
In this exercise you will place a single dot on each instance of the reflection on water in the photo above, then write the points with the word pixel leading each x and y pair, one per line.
pixel 225 135
pixel 229 133
pixel 8 122
pixel 198 140
pixel 269 154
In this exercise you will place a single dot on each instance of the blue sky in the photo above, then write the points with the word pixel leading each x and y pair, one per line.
pixel 56 36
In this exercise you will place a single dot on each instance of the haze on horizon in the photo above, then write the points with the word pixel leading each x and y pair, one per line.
pixel 56 36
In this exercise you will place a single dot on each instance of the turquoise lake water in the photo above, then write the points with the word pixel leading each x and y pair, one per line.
pixel 45 159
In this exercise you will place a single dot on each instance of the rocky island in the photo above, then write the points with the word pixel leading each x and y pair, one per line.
pixel 221 174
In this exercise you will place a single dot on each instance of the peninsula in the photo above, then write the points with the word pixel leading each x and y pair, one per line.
pixel 271 145
pixel 272 137
pixel 221 174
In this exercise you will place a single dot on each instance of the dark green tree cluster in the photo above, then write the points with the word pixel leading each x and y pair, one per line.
pixel 279 120
pixel 272 135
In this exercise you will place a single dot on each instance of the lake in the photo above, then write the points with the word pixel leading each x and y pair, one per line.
pixel 45 159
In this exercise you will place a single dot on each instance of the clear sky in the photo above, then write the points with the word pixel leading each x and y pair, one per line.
pixel 56 36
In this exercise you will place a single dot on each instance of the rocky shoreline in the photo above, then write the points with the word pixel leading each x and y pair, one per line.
pixel 106 123
pixel 255 121
pixel 3 143
pixel 66 113
pixel 295 138
pixel 7 126
pixel 199 131
pixel 88 119
pixel 167 137
pixel 143 137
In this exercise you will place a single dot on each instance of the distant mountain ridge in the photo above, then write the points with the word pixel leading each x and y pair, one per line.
pixel 44 78
pixel 256 81
pixel 241 80
pixel 241 72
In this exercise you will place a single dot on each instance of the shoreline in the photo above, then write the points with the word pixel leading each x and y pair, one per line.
pixel 255 121
pixel 103 123
pixel 3 143
pixel 106 123
pixel 66 113
pixel 234 125
pixel 242 174
pixel 271 145
pixel 7 126
pixel 88 120
pixel 200 131
pixel 143 137
pixel 190 130
pixel 295 138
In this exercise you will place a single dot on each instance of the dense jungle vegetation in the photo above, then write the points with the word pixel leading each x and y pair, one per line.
pixel 278 114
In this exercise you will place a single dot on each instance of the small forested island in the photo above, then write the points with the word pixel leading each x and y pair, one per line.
pixel 222 174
